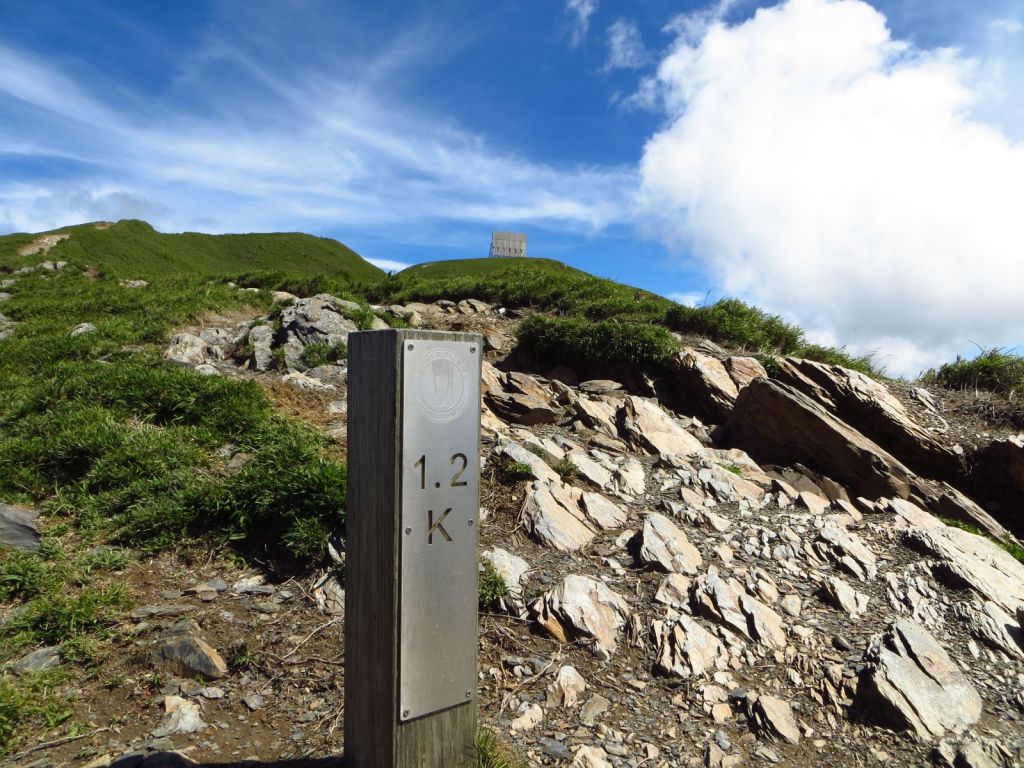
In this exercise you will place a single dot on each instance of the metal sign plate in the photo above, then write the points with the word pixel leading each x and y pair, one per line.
pixel 440 505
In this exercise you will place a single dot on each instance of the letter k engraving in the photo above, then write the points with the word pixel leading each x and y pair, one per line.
pixel 437 526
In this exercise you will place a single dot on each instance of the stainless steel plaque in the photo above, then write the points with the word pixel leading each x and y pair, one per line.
pixel 440 505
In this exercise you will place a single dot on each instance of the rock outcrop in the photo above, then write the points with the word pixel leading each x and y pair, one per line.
pixel 869 407
pixel 775 423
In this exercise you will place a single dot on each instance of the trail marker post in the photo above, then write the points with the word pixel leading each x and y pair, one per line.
pixel 411 567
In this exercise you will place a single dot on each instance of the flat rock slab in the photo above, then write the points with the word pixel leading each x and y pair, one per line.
pixel 19 528
pixel 912 682
pixel 776 716
pixel 187 654
pixel 553 517
pixel 687 649
pixel 664 545
pixel 38 661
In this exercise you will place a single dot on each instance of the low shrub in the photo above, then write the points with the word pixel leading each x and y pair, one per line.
pixel 492 586
pixel 321 353
pixel 590 345
pixel 995 370
pixel 736 324
pixel 492 752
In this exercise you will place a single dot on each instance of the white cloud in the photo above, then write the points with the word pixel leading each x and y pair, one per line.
pixel 580 11
pixel 833 174
pixel 625 46
pixel 389 265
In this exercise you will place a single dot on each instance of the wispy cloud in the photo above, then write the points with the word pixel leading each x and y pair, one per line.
pixel 312 150
pixel 625 46
pixel 1009 26
pixel 580 12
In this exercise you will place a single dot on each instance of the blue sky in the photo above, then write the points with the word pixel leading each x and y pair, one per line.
pixel 844 164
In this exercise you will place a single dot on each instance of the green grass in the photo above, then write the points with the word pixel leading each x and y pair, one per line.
pixel 492 752
pixel 537 283
pixel 133 249
pixel 102 432
pixel 321 353
pixel 566 470
pixel 28 699
pixel 492 586
pixel 119 446
pixel 995 370
pixel 58 597
pixel 552 287
pixel 306 265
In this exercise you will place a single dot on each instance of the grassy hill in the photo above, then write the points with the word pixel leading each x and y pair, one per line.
pixel 133 249
pixel 434 270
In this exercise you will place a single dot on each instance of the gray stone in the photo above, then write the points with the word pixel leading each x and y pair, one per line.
pixel 594 473
pixel 844 597
pixel 596 706
pixel 777 424
pixel 776 716
pixel 869 407
pixel 162 610
pixel 910 681
pixel 39 660
pixel 261 338
pixel 605 514
pixel 584 607
pixel 705 384
pixel 674 590
pixel 555 749
pixel 19 528
pixel 187 654
pixel 318 319
pixel 664 545
pixel 553 517
pixel 848 549
pixel 993 626
pixel 538 467
pixel 646 425
pixel 685 648
pixel 966 558
pixel 182 717
pixel 511 568
pixel 727 602
pixel 569 685
pixel 591 757
pixel 187 349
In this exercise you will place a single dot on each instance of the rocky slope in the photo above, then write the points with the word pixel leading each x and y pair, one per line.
pixel 759 575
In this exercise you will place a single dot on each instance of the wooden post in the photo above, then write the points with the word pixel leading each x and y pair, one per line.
pixel 411 570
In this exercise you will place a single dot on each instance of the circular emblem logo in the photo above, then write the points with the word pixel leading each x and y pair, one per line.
pixel 442 385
